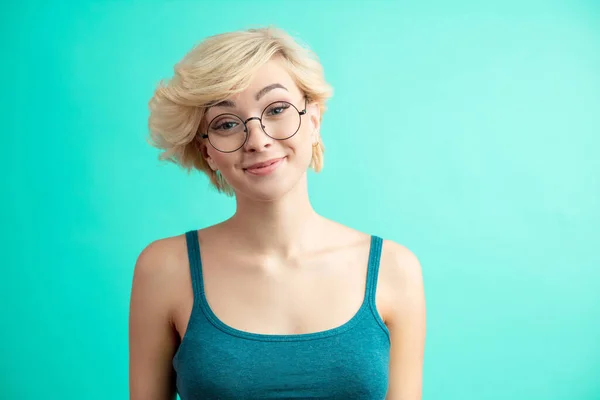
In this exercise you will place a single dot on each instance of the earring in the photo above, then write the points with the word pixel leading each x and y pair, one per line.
pixel 316 133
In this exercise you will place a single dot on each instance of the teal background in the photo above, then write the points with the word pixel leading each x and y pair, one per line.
pixel 467 132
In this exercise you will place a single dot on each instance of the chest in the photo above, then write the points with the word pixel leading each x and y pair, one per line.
pixel 263 296
pixel 292 301
pixel 304 330
pixel 343 364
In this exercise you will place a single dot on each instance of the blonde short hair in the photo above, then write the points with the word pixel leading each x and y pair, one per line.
pixel 219 66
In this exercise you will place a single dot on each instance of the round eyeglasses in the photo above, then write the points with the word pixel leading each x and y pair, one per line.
pixel 279 120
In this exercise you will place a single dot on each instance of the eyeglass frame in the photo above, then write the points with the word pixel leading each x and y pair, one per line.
pixel 262 127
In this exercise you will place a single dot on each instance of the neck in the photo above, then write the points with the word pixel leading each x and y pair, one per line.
pixel 281 228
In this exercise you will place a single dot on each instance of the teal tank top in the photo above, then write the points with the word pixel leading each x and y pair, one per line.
pixel 216 361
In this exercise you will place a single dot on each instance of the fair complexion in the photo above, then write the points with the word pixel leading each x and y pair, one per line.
pixel 292 271
pixel 273 212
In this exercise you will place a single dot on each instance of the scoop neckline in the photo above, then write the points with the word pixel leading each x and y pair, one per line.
pixel 346 326
pixel 219 324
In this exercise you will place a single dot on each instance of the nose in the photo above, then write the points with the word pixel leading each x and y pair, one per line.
pixel 257 139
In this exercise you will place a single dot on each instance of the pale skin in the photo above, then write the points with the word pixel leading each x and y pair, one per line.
pixel 292 271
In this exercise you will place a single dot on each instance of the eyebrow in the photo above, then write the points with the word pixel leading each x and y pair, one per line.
pixel 259 95
pixel 267 89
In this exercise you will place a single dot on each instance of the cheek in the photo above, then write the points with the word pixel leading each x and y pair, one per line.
pixel 223 161
pixel 302 151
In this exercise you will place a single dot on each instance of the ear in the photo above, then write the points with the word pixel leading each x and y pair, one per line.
pixel 203 147
pixel 314 112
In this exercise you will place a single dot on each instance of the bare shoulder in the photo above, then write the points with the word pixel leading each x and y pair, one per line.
pixel 339 233
pixel 398 262
pixel 153 340
pixel 161 256
pixel 405 316
pixel 160 272
pixel 400 281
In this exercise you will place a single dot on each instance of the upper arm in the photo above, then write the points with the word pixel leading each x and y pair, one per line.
pixel 152 339
pixel 406 322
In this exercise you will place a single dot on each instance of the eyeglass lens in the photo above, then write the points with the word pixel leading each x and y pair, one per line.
pixel 280 120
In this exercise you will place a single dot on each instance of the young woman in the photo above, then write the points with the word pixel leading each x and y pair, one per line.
pixel 276 301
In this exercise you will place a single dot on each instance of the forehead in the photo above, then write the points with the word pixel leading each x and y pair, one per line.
pixel 272 72
pixel 264 86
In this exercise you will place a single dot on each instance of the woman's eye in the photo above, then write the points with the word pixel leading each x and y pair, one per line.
pixel 225 125
pixel 278 109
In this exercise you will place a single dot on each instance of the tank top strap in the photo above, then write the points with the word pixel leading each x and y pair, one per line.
pixel 195 261
pixel 193 249
pixel 373 268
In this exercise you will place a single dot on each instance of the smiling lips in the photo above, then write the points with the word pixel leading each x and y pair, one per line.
pixel 264 168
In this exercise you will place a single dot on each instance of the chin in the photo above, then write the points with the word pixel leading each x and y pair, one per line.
pixel 271 186
pixel 267 191
pixel 270 189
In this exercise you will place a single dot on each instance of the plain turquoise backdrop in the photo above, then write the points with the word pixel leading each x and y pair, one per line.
pixel 468 131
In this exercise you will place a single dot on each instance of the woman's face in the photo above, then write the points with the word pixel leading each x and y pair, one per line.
pixel 263 168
